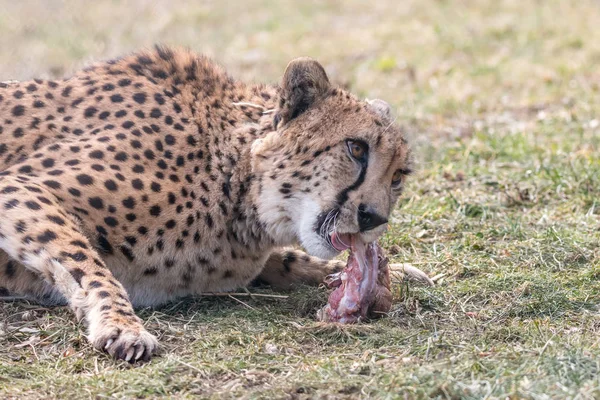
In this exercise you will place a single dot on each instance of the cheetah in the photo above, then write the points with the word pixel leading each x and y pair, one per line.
pixel 157 175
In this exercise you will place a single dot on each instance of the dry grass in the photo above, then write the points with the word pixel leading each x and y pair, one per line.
pixel 502 100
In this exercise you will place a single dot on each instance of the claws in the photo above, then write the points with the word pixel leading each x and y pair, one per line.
pixel 130 344
pixel 139 353
pixel 129 354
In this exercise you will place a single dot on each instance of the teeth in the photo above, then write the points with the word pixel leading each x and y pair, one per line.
pixel 108 343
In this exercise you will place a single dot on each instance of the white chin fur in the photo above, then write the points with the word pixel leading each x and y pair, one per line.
pixel 314 244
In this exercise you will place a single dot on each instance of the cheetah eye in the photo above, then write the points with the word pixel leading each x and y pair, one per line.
pixel 358 150
pixel 398 175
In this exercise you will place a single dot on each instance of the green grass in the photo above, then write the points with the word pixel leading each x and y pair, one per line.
pixel 501 99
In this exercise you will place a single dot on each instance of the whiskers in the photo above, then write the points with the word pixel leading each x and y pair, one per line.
pixel 329 225
pixel 339 238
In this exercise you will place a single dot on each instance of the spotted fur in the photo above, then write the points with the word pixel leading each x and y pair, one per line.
pixel 157 175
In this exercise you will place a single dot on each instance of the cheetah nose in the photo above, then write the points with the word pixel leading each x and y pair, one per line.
pixel 369 219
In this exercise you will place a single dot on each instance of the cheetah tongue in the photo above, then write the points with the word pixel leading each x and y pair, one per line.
pixel 356 286
pixel 342 241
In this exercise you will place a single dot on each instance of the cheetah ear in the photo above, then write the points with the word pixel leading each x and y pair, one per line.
pixel 380 107
pixel 304 83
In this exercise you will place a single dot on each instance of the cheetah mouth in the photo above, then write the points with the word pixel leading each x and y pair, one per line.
pixel 326 228
pixel 340 241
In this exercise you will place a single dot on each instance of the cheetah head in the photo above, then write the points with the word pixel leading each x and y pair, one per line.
pixel 332 165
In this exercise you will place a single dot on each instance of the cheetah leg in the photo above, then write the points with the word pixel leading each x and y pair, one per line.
pixel 288 268
pixel 36 232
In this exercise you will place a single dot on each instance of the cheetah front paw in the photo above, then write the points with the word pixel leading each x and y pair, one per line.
pixel 130 343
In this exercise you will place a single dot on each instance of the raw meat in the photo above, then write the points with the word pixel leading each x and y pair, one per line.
pixel 362 288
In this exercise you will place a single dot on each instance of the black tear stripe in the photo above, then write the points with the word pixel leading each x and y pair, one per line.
pixel 342 197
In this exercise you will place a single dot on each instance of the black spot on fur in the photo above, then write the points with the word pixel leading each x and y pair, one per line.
pixel 137 184
pixel 47 236
pixel 116 98
pixel 111 221
pixel 18 110
pixel 127 253
pixel 10 204
pixel 155 210
pixel 32 205
pixel 96 202
pixel 90 112
pixel 129 202
pixel 111 185
pixel 85 179
pixel 57 220
pixel 104 245
pixel 77 274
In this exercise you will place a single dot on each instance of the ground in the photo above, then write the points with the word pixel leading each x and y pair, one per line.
pixel 501 99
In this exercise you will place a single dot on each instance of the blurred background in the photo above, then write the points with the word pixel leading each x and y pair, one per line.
pixel 500 98
pixel 431 59
pixel 461 51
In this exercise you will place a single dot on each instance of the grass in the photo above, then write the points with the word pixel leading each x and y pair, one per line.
pixel 501 99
